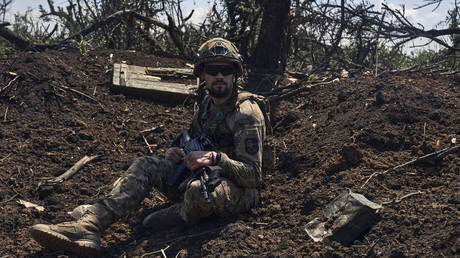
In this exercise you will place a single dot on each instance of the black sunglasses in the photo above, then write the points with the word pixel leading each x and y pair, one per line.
pixel 216 69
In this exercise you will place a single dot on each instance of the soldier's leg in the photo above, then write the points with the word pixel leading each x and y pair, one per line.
pixel 83 236
pixel 227 199
pixel 137 182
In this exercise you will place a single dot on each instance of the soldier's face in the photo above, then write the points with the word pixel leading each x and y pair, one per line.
pixel 219 78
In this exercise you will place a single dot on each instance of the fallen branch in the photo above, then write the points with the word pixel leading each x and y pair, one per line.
pixel 9 186
pixel 162 251
pixel 416 68
pixel 153 129
pixel 297 91
pixel 48 185
pixel 147 143
pixel 450 73
pixel 22 43
pixel 436 153
pixel 78 92
pixel 4 116
pixel 298 75
pixel 7 156
pixel 74 169
pixel 370 249
pixel 288 87
pixel 10 83
pixel 19 172
pixel 409 69
pixel 178 253
pixel 13 38
pixel 398 200
pixel 14 196
pixel 71 171
pixel 261 223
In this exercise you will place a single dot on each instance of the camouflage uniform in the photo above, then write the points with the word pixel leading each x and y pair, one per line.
pixel 239 132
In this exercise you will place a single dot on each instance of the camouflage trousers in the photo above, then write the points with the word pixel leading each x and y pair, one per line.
pixel 147 172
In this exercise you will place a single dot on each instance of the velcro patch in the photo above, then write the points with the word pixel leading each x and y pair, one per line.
pixel 252 145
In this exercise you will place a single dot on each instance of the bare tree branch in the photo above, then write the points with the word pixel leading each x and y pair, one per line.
pixel 173 31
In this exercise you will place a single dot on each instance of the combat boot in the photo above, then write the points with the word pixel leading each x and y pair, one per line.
pixel 81 236
pixel 164 218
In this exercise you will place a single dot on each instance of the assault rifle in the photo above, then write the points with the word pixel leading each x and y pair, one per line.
pixel 200 143
pixel 209 177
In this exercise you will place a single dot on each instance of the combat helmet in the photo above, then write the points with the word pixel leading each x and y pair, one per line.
pixel 215 50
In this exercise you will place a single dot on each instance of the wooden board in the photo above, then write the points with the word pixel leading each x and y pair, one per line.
pixel 149 82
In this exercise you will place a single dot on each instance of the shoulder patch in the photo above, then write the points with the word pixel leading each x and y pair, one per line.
pixel 252 145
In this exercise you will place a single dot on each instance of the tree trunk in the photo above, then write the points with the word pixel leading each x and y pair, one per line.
pixel 270 54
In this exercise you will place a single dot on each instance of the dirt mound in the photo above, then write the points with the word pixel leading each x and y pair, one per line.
pixel 56 107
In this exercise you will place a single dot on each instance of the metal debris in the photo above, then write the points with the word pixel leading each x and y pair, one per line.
pixel 346 218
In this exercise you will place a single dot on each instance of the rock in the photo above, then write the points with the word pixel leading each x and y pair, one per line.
pixel 350 154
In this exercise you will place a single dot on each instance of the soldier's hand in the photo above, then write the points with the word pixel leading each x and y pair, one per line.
pixel 175 154
pixel 197 159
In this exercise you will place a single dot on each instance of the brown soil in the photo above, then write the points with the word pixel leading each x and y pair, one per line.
pixel 329 138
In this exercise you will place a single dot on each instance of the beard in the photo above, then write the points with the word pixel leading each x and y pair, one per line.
pixel 220 92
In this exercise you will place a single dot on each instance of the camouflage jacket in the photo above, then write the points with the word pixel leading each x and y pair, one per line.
pixel 238 129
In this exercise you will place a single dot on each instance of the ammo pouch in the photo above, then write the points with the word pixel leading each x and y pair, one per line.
pixel 211 176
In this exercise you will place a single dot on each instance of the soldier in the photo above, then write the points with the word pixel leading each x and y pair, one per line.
pixel 236 125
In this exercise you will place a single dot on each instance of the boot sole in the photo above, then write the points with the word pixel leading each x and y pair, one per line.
pixel 55 241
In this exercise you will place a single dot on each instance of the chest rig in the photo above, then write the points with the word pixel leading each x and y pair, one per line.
pixel 212 120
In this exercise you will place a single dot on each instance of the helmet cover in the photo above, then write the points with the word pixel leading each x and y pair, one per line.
pixel 218 50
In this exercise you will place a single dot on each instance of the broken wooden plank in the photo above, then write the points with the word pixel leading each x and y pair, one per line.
pixel 184 72
pixel 158 70
pixel 140 80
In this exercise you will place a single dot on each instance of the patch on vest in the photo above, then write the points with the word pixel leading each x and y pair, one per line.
pixel 252 145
